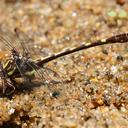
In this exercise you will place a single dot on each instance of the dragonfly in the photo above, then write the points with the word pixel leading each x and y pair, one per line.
pixel 21 65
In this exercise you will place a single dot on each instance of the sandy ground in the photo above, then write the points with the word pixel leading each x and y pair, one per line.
pixel 97 95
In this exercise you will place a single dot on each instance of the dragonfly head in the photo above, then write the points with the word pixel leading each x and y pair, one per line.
pixel 14 51
pixel 15 54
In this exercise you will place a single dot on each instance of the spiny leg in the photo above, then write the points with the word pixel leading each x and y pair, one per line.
pixel 9 84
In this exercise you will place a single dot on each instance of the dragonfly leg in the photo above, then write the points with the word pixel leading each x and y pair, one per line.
pixel 6 86
pixel 13 88
pixel 3 86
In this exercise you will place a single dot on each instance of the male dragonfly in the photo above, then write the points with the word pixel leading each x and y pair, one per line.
pixel 21 65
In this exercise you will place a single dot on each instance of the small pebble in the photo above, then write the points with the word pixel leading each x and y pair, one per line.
pixel 114 70
pixel 122 14
pixel 11 111
pixel 112 14
pixel 119 58
pixel 120 2
pixel 55 94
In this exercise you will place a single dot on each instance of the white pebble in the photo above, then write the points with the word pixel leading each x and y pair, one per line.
pixel 114 69
pixel 11 111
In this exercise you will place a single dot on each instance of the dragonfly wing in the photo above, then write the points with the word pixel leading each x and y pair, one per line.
pixel 27 43
pixel 49 76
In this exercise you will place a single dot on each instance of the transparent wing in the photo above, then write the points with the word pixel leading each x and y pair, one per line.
pixel 48 76
pixel 8 40
pixel 26 43
pixel 16 39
